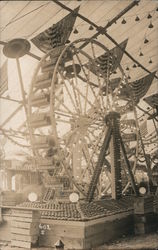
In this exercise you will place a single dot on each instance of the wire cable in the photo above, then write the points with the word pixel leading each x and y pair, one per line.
pixel 13 18
pixel 17 19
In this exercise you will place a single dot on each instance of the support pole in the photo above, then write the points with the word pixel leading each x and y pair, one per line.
pixel 34 56
pixel 98 168
pixel 24 102
pixel 128 167
pixel 116 182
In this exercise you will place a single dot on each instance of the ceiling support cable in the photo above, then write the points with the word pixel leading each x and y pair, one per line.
pixel 102 30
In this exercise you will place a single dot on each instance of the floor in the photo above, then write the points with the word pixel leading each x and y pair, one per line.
pixel 144 242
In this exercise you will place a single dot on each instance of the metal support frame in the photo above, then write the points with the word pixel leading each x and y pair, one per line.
pixel 131 176
pixel 98 168
pixel 113 135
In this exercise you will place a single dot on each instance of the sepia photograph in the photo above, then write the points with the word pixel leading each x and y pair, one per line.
pixel 79 125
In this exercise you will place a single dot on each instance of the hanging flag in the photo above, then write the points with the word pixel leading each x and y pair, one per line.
pixel 108 62
pixel 143 129
pixel 56 35
pixel 141 86
pixel 4 78
pixel 137 89
pixel 152 100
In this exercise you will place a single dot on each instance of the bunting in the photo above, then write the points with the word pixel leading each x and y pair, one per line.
pixel 108 62
pixel 138 88
pixel 57 34
pixel 4 78
pixel 141 86
pixel 152 100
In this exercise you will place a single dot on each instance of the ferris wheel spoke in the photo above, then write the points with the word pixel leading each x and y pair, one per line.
pixel 69 94
pixel 88 159
pixel 91 86
pixel 87 88
pixel 91 131
pixel 62 121
pixel 76 81
pixel 86 152
pixel 71 82
pixel 99 80
pixel 60 102
pixel 96 145
pixel 91 104
pixel 69 138
pixel 87 80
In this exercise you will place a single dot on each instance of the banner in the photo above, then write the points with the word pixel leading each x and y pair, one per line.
pixel 57 34
pixel 141 86
pixel 152 100
pixel 107 62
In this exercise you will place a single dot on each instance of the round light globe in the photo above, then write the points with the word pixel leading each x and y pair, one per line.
pixel 74 197
pixel 32 197
pixel 142 190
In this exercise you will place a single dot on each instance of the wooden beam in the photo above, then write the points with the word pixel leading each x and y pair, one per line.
pixel 11 116
pixel 24 102
pixel 102 30
pixel 34 56
pixel 2 43
pixel 10 99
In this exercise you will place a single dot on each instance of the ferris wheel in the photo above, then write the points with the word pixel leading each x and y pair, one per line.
pixel 81 110
pixel 71 94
